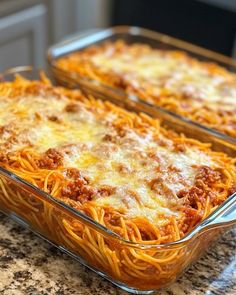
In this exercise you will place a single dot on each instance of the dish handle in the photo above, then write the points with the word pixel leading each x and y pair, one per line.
pixel 225 216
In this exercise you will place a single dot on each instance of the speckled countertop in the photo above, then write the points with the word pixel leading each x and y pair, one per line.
pixel 31 266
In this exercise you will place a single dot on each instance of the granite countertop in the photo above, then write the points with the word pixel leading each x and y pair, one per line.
pixel 31 266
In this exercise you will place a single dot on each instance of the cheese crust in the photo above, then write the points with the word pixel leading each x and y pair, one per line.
pixel 201 91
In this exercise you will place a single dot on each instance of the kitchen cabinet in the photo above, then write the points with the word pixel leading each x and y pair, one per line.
pixel 29 27
pixel 23 38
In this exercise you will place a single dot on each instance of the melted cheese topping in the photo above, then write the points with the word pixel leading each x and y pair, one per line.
pixel 169 71
pixel 128 163
pixel 204 92
pixel 38 130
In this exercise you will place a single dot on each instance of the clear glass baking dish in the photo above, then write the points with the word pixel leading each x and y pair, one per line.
pixel 64 226
pixel 130 35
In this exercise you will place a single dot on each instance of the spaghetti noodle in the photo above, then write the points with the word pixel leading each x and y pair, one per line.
pixel 203 92
pixel 147 184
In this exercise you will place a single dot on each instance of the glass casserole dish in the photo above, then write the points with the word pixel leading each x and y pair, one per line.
pixel 198 86
pixel 59 224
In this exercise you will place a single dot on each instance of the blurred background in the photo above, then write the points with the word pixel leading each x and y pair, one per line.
pixel 29 27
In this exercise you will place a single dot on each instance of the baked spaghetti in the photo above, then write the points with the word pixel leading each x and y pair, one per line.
pixel 147 184
pixel 203 92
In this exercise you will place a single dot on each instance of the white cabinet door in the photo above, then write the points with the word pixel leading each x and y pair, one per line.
pixel 23 38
